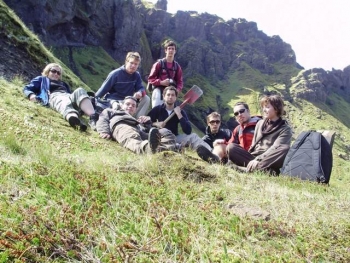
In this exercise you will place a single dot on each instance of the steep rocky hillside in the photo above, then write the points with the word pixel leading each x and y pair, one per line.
pixel 230 60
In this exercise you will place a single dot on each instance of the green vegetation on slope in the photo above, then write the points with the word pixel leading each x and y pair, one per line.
pixel 71 196
pixel 18 37
pixel 92 64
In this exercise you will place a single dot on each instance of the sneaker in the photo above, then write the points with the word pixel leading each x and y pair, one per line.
pixel 207 155
pixel 93 120
pixel 153 139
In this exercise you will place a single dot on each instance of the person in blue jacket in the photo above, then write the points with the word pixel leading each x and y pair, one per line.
pixel 123 82
pixel 49 90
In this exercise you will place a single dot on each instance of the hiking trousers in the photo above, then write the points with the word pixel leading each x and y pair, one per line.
pixel 137 141
pixel 66 103
pixel 191 140
pixel 273 161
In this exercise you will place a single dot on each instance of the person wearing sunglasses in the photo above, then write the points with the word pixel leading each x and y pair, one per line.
pixel 125 81
pixel 49 90
pixel 271 140
pixel 242 135
pixel 215 134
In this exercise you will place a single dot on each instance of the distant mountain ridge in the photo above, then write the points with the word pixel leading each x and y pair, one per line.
pixel 221 56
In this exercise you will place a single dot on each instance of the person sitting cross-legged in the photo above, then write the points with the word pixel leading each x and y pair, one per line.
pixel 271 140
pixel 214 134
pixel 127 131
pixel 161 112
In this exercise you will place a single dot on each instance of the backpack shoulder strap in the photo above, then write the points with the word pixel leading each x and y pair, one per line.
pixel 162 66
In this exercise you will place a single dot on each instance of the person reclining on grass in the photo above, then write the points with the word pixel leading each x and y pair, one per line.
pixel 271 140
pixel 161 112
pixel 50 90
pixel 242 135
pixel 127 131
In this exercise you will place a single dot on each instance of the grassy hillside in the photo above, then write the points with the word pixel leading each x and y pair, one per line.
pixel 71 196
pixel 92 64
pixel 67 196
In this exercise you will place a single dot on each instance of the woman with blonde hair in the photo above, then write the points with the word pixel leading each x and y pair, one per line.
pixel 271 140
pixel 49 90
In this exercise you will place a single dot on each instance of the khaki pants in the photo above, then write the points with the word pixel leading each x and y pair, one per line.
pixel 66 103
pixel 192 140
pixel 137 141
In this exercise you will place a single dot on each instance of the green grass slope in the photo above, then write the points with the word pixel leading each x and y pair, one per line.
pixel 67 196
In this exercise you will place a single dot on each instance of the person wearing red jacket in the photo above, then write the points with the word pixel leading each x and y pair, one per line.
pixel 242 135
pixel 165 72
pixel 271 140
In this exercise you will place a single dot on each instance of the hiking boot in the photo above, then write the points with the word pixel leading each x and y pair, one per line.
pixel 207 155
pixel 82 126
pixel 153 139
pixel 93 120
pixel 74 122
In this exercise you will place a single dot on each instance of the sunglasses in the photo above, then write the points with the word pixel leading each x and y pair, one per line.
pixel 54 71
pixel 239 112
pixel 214 121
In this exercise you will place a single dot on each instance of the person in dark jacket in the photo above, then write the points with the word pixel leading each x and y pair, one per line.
pixel 271 140
pixel 242 135
pixel 214 131
pixel 160 113
pixel 127 131
pixel 49 90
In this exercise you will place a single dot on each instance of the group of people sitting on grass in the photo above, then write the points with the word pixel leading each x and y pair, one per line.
pixel 257 143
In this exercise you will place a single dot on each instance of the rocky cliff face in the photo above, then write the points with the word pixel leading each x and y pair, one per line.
pixel 208 45
pixel 317 84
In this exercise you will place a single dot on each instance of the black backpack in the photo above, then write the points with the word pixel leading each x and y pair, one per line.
pixel 310 157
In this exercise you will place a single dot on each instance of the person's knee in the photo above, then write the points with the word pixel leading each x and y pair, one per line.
pixel 156 97
pixel 231 150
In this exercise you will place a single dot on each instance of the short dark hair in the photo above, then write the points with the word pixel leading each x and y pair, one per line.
pixel 276 102
pixel 170 88
pixel 167 43
pixel 242 103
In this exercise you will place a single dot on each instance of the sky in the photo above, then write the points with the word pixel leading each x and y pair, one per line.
pixel 317 30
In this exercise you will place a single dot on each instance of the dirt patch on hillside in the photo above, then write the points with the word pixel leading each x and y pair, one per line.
pixel 15 60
